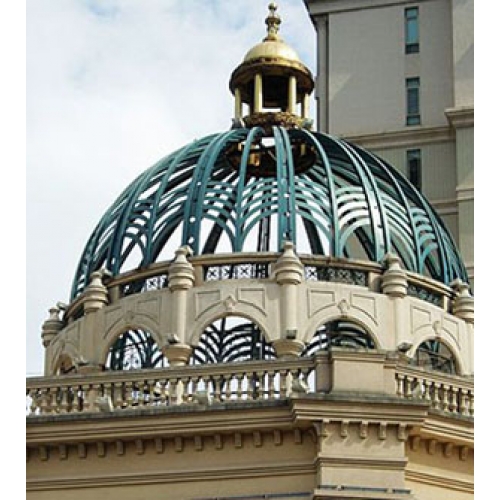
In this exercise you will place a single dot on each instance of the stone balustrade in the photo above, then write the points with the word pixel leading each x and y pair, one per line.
pixel 446 393
pixel 260 266
pixel 246 381
pixel 206 384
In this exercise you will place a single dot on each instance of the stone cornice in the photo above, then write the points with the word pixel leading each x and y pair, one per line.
pixel 436 480
pixel 406 138
pixel 351 412
pixel 460 117
pixel 318 7
pixel 353 407
pixel 444 429
pixel 185 420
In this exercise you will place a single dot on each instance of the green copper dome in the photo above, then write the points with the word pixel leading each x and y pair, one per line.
pixel 251 189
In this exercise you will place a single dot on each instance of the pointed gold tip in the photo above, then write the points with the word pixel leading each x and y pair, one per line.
pixel 273 22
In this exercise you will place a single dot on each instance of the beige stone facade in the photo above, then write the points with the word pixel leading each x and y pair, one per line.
pixel 341 424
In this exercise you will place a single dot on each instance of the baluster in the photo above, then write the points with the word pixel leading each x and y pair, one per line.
pixel 288 383
pixel 471 403
pixel 107 392
pixel 162 392
pixel 38 401
pixel 400 385
pixel 446 403
pixel 179 391
pixel 118 400
pixel 79 398
pixel 408 388
pixel 454 401
pixel 239 386
pixel 264 385
pixel 436 403
pixel 53 403
pixel 188 389
pixel 250 385
pixel 65 404
pixel 229 386
pixel 217 384
pixel 128 395
pixel 253 385
pixel 272 380
pixel 85 388
pixel 31 406
pixel 44 401
pixel 463 409
pixel 170 391
pixel 427 390
pixel 208 385
pixel 154 392
pixel 146 393
pixel 282 383
pixel 311 379
pixel 73 403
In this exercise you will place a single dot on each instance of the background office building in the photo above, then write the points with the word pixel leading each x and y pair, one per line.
pixel 397 77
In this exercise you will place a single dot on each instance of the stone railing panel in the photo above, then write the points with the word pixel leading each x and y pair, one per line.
pixel 109 391
pixel 446 393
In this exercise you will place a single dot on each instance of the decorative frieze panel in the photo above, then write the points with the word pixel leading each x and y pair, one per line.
pixel 206 299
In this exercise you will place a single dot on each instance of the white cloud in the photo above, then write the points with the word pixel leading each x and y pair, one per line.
pixel 113 86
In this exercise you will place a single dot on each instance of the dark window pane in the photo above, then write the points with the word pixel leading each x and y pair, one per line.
pixel 413 101
pixel 414 167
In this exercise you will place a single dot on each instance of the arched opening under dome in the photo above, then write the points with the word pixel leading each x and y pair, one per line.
pixel 435 355
pixel 135 349
pixel 341 333
pixel 232 339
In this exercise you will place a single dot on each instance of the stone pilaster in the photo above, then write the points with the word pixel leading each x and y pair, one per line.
pixel 394 284
pixel 95 297
pixel 289 273
pixel 181 278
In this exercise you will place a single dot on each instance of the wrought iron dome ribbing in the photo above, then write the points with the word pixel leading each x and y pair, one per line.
pixel 250 189
pixel 267 180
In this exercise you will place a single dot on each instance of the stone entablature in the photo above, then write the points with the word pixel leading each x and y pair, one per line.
pixel 289 297
pixel 331 440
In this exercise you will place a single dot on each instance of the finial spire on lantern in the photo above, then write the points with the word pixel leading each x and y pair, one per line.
pixel 272 82
pixel 273 22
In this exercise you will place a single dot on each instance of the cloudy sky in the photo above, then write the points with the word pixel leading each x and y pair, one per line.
pixel 112 86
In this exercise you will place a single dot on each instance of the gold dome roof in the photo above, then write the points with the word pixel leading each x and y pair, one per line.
pixel 273 46
pixel 272 49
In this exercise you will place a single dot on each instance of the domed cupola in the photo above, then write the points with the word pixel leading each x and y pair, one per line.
pixel 269 300
pixel 267 180
pixel 272 81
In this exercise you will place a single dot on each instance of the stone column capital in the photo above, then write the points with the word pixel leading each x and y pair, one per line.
pixel 288 348
pixel 177 354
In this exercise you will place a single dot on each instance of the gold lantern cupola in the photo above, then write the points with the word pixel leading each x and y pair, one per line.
pixel 272 82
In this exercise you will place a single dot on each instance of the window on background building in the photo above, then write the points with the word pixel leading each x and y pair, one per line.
pixel 411 30
pixel 413 101
pixel 414 167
